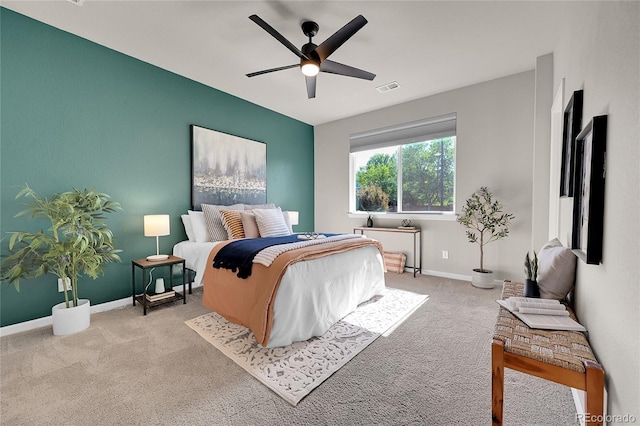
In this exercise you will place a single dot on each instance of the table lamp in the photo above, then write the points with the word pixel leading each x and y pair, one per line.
pixel 156 225
pixel 293 217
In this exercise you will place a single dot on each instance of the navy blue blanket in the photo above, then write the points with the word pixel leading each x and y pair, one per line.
pixel 238 255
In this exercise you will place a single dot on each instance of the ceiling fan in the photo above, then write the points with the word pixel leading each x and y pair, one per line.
pixel 313 58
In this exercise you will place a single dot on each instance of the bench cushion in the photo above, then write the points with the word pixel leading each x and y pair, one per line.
pixel 566 349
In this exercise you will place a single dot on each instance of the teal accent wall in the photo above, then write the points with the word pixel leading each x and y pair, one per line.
pixel 77 114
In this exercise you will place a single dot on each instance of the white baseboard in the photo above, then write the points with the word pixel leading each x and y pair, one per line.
pixel 121 303
pixel 47 321
pixel 460 277
pixel 445 275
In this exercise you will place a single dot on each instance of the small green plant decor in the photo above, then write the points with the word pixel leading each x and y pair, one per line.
pixel 531 266
pixel 485 220
pixel 78 241
pixel 531 275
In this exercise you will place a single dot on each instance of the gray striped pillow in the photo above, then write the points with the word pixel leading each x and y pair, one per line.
pixel 213 219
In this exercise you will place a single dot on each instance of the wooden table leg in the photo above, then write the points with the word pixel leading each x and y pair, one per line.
pixel 594 393
pixel 497 381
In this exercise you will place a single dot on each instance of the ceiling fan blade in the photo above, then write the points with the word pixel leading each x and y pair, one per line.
pixel 342 69
pixel 268 28
pixel 311 86
pixel 338 38
pixel 286 67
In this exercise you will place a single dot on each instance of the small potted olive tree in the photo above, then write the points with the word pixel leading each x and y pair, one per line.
pixel 485 221
pixel 77 242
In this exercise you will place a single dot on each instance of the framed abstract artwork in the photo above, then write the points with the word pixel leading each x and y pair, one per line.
pixel 571 127
pixel 226 169
pixel 588 201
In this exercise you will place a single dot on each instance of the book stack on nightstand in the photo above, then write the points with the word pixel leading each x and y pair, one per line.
pixel 160 296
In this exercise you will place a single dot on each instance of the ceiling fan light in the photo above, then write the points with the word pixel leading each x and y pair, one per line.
pixel 309 68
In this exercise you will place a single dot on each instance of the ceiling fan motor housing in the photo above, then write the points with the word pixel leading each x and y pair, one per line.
pixel 309 50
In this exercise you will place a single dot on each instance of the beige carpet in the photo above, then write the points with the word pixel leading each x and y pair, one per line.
pixel 129 369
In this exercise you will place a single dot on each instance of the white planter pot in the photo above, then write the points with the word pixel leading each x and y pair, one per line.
pixel 482 279
pixel 71 320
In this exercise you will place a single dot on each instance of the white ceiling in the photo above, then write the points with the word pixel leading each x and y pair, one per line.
pixel 426 46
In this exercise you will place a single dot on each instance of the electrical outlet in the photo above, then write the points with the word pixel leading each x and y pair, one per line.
pixel 60 287
pixel 445 254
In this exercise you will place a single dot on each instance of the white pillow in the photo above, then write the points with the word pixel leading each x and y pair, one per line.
pixel 557 270
pixel 213 219
pixel 271 222
pixel 199 226
pixel 188 228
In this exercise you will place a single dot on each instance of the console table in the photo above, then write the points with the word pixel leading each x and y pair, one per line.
pixel 417 242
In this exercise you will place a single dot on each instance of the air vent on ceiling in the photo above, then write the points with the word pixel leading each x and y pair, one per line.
pixel 388 87
pixel 76 2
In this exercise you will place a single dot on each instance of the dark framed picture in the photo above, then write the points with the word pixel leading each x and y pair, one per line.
pixel 571 127
pixel 226 169
pixel 588 201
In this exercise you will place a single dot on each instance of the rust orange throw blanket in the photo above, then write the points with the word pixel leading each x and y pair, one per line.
pixel 249 301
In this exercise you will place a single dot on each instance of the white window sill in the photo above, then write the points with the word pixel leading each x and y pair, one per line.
pixel 412 216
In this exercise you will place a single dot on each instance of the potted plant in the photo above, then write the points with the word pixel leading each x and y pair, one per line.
pixel 78 242
pixel 531 274
pixel 485 222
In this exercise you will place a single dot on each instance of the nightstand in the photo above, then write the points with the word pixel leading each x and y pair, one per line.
pixel 143 265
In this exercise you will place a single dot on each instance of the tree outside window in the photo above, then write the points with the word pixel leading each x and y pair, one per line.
pixel 427 171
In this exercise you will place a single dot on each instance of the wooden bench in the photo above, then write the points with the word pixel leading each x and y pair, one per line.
pixel 563 357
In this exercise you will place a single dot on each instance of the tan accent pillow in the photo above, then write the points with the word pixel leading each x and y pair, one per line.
pixel 557 270
pixel 232 223
pixel 249 225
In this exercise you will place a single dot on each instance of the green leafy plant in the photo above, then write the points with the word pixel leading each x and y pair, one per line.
pixel 484 219
pixel 373 198
pixel 531 266
pixel 78 241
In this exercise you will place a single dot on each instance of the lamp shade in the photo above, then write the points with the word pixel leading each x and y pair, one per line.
pixel 293 217
pixel 156 225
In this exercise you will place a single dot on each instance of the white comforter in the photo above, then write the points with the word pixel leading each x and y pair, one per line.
pixel 314 294
pixel 195 256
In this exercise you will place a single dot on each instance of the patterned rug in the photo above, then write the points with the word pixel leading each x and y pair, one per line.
pixel 295 370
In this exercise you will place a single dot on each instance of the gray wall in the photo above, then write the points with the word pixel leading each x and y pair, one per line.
pixel 494 148
pixel 599 53
pixel 502 144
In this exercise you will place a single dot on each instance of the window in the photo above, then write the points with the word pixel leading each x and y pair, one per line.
pixel 405 168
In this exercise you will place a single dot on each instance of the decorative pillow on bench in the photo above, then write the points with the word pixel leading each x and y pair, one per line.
pixel 557 270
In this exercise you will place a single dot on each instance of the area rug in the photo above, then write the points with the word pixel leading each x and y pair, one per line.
pixel 294 371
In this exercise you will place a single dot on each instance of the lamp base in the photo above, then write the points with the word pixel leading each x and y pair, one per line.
pixel 157 257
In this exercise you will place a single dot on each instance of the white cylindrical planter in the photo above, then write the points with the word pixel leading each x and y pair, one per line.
pixel 71 320
pixel 482 279
pixel 159 285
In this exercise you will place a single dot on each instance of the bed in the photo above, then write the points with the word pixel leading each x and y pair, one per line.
pixel 300 295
